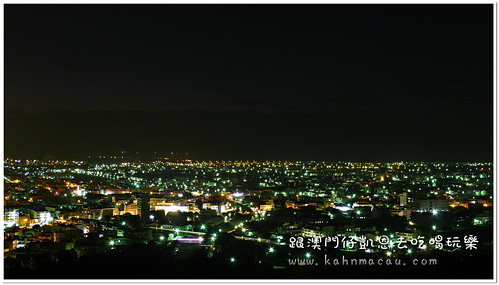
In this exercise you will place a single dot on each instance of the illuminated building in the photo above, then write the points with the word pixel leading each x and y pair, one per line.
pixel 171 207
pixel 433 205
pixel 132 209
pixel 43 217
pixel 11 218
pixel 403 199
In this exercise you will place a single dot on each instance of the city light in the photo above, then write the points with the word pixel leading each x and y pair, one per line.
pixel 201 219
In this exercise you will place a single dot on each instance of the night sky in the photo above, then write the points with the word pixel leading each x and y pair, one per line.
pixel 290 82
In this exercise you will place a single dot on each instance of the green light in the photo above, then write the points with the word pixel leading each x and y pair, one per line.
pixel 409 251
pixel 123 223
pixel 308 255
pixel 161 237
pixel 111 242
pixel 203 227
pixel 271 249
pixel 232 259
pixel 434 227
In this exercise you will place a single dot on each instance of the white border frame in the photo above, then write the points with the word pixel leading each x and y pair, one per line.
pixel 260 281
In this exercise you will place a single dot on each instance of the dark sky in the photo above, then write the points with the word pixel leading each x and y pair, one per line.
pixel 322 82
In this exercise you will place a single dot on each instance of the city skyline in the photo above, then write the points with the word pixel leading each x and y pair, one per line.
pixel 248 142
pixel 94 220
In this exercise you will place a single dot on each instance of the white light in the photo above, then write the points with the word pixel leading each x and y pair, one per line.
pixel 343 208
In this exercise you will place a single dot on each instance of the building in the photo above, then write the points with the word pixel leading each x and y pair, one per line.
pixel 403 199
pixel 433 205
pixel 133 209
pixel 143 206
pixel 43 217
pixel 11 218
pixel 171 207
